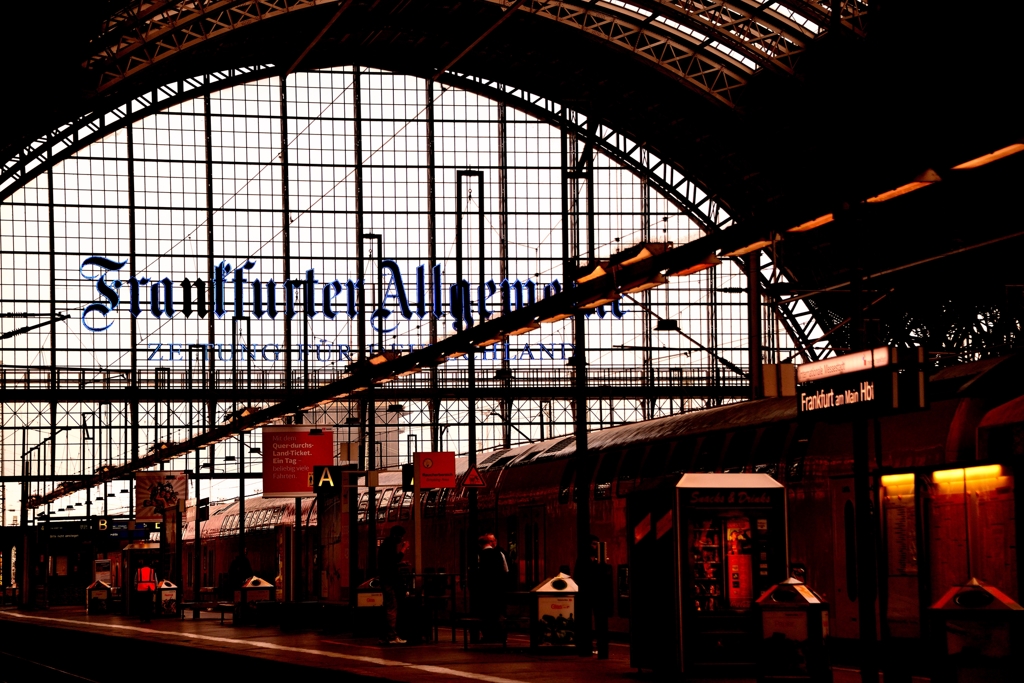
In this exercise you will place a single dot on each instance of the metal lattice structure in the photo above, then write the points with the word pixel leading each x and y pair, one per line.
pixel 120 174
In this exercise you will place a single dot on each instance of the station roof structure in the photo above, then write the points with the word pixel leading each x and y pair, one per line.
pixel 786 111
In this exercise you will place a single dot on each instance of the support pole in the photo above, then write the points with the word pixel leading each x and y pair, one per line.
pixel 754 323
pixel 864 518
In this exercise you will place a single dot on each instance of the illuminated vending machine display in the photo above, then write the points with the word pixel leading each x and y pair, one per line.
pixel 732 548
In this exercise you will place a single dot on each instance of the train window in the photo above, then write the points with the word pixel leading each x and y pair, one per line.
pixel 397 501
pixel 565 486
pixel 709 453
pixel 681 459
pixel 278 515
pixel 403 512
pixel 442 501
pixel 363 500
pixel 383 498
pixel 606 474
pixel 630 468
pixel 737 453
pixel 770 447
pixel 430 502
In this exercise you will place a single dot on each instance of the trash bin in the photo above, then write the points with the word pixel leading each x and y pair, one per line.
pixel 979 634
pixel 369 617
pixel 553 613
pixel 794 625
pixel 97 598
pixel 166 599
pixel 253 591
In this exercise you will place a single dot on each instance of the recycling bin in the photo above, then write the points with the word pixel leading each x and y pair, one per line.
pixel 166 599
pixel 794 625
pixel 553 613
pixel 369 616
pixel 97 598
pixel 253 590
pixel 979 634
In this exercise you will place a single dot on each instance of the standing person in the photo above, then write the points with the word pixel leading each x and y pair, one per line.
pixel 389 560
pixel 594 601
pixel 492 582
pixel 145 590
pixel 240 570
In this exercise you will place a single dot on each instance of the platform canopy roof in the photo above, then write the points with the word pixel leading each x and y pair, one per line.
pixel 786 110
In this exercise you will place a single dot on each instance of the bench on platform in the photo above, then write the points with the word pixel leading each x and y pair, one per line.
pixel 222 607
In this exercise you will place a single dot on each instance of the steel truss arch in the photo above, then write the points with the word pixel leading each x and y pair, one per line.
pixel 663 175
pixel 62 142
pixel 712 45
pixel 666 177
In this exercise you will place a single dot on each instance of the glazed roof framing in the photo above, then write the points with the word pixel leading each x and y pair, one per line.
pixel 664 175
pixel 711 45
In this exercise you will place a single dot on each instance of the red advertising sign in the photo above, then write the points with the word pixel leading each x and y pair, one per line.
pixel 158 492
pixel 435 470
pixel 289 455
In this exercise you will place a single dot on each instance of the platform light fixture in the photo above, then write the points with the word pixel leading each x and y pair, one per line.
pixel 656 280
pixel 898 479
pixel 384 356
pixel 602 299
pixel 754 246
pixel 981 472
pixel 709 261
pixel 923 180
pixel 992 156
pixel 812 224
pixel 641 251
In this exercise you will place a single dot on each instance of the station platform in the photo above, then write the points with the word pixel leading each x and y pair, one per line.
pixel 360 658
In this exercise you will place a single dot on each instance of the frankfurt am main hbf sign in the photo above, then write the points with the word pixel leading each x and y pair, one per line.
pixel 234 289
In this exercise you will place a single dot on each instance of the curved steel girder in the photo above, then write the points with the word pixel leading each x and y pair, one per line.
pixel 662 175
pixel 72 137
pixel 712 45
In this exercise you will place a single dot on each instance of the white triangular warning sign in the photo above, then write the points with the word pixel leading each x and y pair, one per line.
pixel 473 479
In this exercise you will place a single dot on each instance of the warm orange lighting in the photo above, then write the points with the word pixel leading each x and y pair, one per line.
pixel 555 317
pixel 657 281
pixel 989 158
pixel 645 251
pixel 982 472
pixel 600 300
pixel 923 180
pixel 897 479
pixel 528 327
pixel 753 246
pixel 708 262
pixel 384 357
pixel 816 223
pixel 598 271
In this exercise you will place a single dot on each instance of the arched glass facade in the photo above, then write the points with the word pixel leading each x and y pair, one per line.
pixel 215 245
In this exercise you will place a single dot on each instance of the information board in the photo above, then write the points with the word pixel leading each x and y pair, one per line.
pixel 289 455
pixel 435 470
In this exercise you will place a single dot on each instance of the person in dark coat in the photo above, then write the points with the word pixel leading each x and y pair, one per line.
pixel 593 602
pixel 240 570
pixel 492 583
pixel 389 562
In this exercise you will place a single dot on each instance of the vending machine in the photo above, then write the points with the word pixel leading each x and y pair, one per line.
pixel 731 549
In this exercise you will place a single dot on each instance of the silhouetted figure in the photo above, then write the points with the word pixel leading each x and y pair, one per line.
pixel 492 582
pixel 593 602
pixel 389 561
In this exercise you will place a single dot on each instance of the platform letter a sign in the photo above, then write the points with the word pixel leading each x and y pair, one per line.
pixel 325 476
